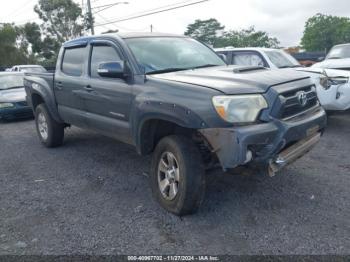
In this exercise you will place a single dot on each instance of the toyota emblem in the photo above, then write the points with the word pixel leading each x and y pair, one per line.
pixel 302 98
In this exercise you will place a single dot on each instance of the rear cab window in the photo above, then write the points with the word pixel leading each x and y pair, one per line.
pixel 73 61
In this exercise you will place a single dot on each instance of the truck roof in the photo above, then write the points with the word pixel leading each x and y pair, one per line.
pixel 120 35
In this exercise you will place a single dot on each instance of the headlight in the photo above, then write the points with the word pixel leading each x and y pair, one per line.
pixel 239 108
pixel 326 82
pixel 6 105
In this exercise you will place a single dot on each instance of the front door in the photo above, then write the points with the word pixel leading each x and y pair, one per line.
pixel 107 100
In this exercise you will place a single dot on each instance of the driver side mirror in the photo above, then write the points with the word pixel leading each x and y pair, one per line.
pixel 112 69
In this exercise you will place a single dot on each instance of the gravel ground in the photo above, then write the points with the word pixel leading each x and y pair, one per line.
pixel 91 196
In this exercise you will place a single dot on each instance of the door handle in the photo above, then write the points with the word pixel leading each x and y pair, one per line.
pixel 88 88
pixel 59 85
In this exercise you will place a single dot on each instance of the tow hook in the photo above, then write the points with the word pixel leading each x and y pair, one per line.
pixel 275 165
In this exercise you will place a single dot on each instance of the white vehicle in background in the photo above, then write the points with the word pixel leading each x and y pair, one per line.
pixel 337 58
pixel 28 68
pixel 332 85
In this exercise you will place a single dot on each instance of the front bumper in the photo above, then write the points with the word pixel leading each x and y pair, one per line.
pixel 262 143
pixel 337 97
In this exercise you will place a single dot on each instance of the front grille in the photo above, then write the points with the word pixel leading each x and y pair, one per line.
pixel 23 103
pixel 291 104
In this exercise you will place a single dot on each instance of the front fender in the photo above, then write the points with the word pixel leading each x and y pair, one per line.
pixel 145 109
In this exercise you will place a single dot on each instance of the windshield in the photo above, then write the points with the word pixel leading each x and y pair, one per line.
pixel 337 52
pixel 10 81
pixel 155 54
pixel 282 59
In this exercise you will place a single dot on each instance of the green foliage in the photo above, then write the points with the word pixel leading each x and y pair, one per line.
pixel 324 31
pixel 211 32
pixel 33 43
pixel 248 38
pixel 32 34
pixel 206 31
pixel 62 19
pixel 12 52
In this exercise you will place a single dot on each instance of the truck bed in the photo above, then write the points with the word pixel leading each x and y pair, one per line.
pixel 39 77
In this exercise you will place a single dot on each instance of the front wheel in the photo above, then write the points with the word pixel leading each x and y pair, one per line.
pixel 177 175
pixel 50 132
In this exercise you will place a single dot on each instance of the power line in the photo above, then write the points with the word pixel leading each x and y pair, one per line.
pixel 151 13
pixel 157 8
pixel 122 27
pixel 107 6
pixel 20 9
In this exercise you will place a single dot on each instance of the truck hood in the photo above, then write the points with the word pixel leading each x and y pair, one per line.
pixel 224 79
pixel 343 63
pixel 12 95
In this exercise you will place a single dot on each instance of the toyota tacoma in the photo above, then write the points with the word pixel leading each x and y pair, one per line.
pixel 174 97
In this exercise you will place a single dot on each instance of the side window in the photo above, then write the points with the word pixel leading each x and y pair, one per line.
pixel 247 59
pixel 102 54
pixel 73 61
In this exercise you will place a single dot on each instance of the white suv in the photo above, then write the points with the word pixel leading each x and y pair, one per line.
pixel 333 87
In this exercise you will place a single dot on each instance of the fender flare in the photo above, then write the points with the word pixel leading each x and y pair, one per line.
pixel 40 87
pixel 145 110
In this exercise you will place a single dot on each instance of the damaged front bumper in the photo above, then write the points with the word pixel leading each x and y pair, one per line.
pixel 274 144
pixel 337 97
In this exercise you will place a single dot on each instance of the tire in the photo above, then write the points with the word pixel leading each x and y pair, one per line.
pixel 187 175
pixel 50 134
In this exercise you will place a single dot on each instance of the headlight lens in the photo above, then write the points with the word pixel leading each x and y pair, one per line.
pixel 240 108
pixel 6 105
pixel 327 82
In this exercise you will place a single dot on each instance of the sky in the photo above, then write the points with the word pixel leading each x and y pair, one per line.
pixel 284 19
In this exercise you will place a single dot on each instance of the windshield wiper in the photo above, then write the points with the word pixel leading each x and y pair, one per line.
pixel 334 57
pixel 203 66
pixel 166 70
pixel 290 66
pixel 174 69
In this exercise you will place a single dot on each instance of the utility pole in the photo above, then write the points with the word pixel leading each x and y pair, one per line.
pixel 151 28
pixel 91 21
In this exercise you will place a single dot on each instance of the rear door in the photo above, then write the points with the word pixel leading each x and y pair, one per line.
pixel 70 83
pixel 108 100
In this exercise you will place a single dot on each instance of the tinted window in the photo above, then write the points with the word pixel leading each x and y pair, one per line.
pixel 73 61
pixel 102 54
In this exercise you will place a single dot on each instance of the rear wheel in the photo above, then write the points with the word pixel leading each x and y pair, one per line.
pixel 177 175
pixel 50 132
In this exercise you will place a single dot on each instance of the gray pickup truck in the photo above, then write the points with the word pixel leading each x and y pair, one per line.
pixel 176 98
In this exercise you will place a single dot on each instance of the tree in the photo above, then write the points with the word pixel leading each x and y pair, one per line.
pixel 324 31
pixel 62 19
pixel 206 31
pixel 32 34
pixel 248 38
pixel 12 51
